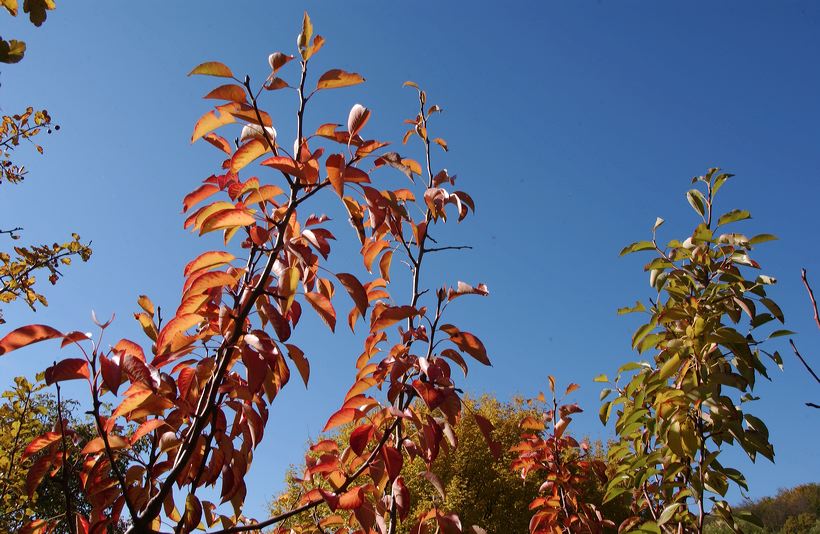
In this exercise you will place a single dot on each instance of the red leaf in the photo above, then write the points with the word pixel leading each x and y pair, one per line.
pixel 342 417
pixel 360 437
pixel 393 461
pixel 111 374
pixel 401 496
pixel 68 369
pixel 39 443
pixel 27 335
pixel 36 473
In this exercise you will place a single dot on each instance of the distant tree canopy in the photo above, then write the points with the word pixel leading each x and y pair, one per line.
pixel 484 489
pixel 790 511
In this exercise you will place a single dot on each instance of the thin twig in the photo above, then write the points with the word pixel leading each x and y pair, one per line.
pixel 803 361
pixel 811 297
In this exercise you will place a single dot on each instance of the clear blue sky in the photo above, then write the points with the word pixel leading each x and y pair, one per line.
pixel 573 125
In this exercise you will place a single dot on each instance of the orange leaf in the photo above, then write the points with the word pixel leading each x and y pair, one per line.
pixel 302 363
pixel 198 195
pixel 342 417
pixel 264 193
pixel 230 218
pixel 384 264
pixel 247 153
pixel 129 347
pixel 206 281
pixel 338 78
pixel 219 142
pixel 211 121
pixel 208 260
pixel 230 92
pixel 175 327
pixel 212 68
pixel 145 428
pixel 97 444
pixel 39 443
pixel 26 335
pixel 323 307
pixel 335 172
pixel 390 315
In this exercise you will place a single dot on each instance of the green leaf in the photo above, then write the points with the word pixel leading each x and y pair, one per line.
pixel 762 238
pixel 641 332
pixel 781 333
pixel 734 216
pixel 668 512
pixel 773 307
pixel 670 367
pixel 11 51
pixel 719 181
pixel 638 307
pixel 601 378
pixel 697 201
pixel 702 233
pixel 637 246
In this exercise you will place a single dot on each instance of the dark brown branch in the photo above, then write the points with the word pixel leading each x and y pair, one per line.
pixel 803 361
pixel 305 507
pixel 439 249
pixel 811 296
pixel 65 479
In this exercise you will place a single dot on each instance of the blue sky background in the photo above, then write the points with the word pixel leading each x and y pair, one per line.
pixel 572 124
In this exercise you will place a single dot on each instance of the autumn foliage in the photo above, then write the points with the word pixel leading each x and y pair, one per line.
pixel 177 415
pixel 199 387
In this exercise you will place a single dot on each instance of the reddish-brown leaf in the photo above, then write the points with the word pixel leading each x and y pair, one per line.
pixel 467 342
pixel 68 369
pixel 36 473
pixel 323 307
pixel 302 363
pixel 355 290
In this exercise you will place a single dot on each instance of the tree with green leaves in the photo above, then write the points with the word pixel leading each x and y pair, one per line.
pixel 19 268
pixel 675 414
